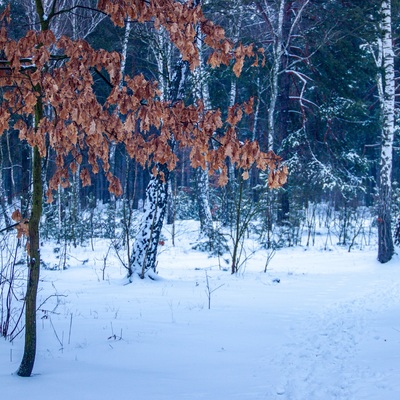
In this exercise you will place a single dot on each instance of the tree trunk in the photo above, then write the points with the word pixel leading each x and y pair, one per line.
pixel 207 231
pixel 278 51
pixel 385 240
pixel 28 359
pixel 4 212
pixel 144 252
pixel 202 186
pixel 210 239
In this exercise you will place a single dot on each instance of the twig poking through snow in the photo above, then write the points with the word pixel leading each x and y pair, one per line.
pixel 210 291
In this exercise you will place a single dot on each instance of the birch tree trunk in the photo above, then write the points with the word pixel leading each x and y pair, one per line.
pixel 229 209
pixel 112 207
pixel 143 260
pixel 209 239
pixel 3 200
pixel 144 252
pixel 278 50
pixel 387 98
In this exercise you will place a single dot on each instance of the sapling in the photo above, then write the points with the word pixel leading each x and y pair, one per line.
pixel 103 270
pixel 270 256
pixel 10 287
pixel 61 341
pixel 70 329
pixel 210 291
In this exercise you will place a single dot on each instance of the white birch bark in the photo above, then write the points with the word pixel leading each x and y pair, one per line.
pixel 387 98
pixel 256 114
pixel 162 54
pixel 3 201
pixel 143 260
pixel 201 92
pixel 113 146
pixel 278 50
pixel 144 252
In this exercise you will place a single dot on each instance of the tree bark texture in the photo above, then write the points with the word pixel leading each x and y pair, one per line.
pixel 201 91
pixel 385 239
pixel 28 359
pixel 144 252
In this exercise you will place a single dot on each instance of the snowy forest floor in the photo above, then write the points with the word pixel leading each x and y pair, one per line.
pixel 318 325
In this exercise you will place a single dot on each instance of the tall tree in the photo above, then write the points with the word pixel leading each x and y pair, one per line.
pixel 80 128
pixel 386 89
pixel 282 20
pixel 209 238
pixel 383 54
pixel 144 252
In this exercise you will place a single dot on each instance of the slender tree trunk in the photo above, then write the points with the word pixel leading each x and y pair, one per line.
pixel 26 158
pixel 7 220
pixel 229 212
pixel 144 252
pixel 214 242
pixel 28 359
pixel 385 240
pixel 12 176
pixel 201 91
pixel 276 69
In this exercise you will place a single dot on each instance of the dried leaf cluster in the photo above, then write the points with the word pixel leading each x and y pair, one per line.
pixel 23 224
pixel 80 129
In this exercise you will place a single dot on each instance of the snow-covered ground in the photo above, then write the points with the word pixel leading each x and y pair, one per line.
pixel 319 325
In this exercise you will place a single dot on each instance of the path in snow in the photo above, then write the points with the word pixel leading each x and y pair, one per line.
pixel 327 356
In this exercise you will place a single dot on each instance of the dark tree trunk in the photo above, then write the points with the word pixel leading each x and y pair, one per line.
pixel 28 359
pixel 385 239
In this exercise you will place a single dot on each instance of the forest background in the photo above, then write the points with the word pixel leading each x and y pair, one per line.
pixel 323 87
pixel 318 94
pixel 317 104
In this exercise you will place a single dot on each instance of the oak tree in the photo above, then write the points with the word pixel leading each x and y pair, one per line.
pixel 50 83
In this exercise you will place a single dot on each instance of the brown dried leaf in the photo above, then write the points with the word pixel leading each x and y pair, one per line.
pixel 5 15
pixel 115 185
pixel 16 215
pixel 85 177
pixel 223 178
pixel 22 229
pixel 248 107
pixel 49 195
pixel 237 68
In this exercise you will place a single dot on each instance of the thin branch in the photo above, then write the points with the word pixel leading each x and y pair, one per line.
pixel 103 77
pixel 13 226
pixel 66 10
